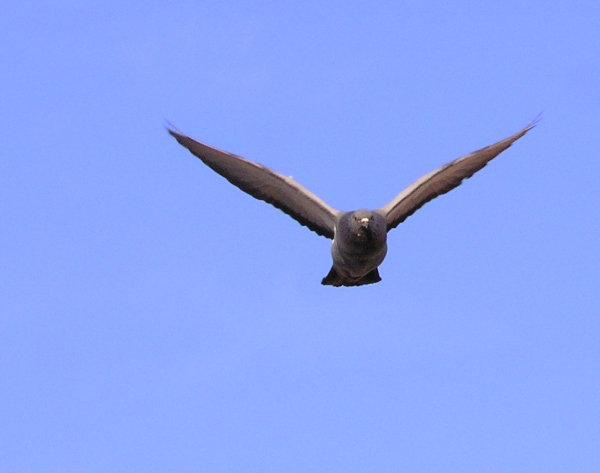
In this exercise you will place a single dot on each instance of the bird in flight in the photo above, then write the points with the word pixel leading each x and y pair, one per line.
pixel 359 237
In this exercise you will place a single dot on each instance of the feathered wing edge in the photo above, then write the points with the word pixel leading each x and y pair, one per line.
pixel 265 184
pixel 444 179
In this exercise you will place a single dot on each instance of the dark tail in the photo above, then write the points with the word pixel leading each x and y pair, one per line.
pixel 334 279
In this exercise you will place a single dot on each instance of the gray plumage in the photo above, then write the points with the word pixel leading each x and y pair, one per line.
pixel 359 237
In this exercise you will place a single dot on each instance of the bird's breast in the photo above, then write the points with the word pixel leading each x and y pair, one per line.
pixel 356 257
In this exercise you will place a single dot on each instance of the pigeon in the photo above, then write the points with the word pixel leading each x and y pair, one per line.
pixel 359 237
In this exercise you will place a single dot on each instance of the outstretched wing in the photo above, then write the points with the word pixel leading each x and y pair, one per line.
pixel 265 184
pixel 443 180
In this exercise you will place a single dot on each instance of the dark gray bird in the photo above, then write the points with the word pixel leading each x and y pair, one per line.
pixel 359 237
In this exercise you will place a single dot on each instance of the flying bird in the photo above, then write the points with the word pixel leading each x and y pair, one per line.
pixel 359 237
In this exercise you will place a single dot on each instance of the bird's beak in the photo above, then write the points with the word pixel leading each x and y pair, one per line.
pixel 364 222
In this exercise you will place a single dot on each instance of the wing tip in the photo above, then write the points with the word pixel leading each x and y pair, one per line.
pixel 173 130
pixel 535 121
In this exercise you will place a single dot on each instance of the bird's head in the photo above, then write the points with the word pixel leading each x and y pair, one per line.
pixel 365 227
pixel 361 221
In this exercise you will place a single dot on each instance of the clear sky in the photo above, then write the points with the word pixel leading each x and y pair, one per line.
pixel 155 318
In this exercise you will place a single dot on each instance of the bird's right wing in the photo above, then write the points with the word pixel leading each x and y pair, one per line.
pixel 265 184
pixel 443 180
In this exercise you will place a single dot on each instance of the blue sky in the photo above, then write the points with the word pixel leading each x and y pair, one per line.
pixel 155 318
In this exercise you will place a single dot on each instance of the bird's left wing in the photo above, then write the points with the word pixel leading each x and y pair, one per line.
pixel 265 184
pixel 443 180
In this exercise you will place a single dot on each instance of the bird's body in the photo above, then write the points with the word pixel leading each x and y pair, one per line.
pixel 359 247
pixel 359 237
